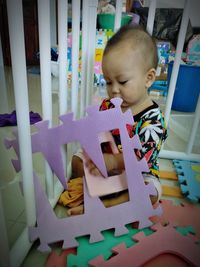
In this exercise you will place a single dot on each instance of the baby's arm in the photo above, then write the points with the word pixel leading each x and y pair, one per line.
pixel 116 162
pixel 113 162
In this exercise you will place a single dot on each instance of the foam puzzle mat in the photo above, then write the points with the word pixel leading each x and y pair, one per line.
pixel 96 218
pixel 189 178
pixel 183 227
pixel 162 245
pixel 163 240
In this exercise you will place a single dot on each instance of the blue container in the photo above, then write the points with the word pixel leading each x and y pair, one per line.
pixel 187 87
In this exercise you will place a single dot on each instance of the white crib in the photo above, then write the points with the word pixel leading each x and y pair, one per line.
pixel 18 252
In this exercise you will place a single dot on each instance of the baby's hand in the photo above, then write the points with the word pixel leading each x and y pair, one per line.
pixel 110 163
pixel 92 168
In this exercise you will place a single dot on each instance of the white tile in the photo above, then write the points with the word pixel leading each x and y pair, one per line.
pixel 35 258
pixel 9 224
pixel 14 232
pixel 22 217
pixel 13 201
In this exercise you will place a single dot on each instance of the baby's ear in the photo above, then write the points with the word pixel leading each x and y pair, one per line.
pixel 150 77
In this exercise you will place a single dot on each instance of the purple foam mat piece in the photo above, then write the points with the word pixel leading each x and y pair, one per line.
pixel 49 141
pixel 96 217
pixel 15 145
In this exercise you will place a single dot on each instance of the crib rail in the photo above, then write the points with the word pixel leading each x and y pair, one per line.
pixel 14 256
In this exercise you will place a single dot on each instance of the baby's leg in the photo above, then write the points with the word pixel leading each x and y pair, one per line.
pixel 108 201
pixel 150 178
pixel 77 167
pixel 76 210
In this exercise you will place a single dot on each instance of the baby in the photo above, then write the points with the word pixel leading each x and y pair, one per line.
pixel 129 68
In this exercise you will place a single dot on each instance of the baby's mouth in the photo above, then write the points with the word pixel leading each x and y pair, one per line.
pixel 124 104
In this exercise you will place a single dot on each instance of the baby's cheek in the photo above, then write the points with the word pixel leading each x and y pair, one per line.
pixel 109 93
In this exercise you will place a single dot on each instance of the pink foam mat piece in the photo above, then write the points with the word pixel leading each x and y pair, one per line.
pixel 112 184
pixel 96 217
pixel 184 214
pixel 165 240
pixel 166 260
pixel 55 260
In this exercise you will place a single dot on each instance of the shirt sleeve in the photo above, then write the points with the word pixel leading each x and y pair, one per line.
pixel 152 133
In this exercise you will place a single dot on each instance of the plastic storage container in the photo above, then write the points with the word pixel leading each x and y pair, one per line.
pixel 106 21
pixel 187 87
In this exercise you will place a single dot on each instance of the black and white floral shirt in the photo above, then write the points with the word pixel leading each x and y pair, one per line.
pixel 151 129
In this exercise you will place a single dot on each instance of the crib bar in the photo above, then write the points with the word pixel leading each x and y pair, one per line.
pixel 118 15
pixel 45 60
pixel 16 33
pixel 170 154
pixel 84 57
pixel 62 41
pixel 151 16
pixel 45 70
pixel 194 127
pixel 1 54
pixel 3 89
pixel 17 47
pixel 53 25
pixel 4 251
pixel 75 54
pixel 175 70
pixel 92 17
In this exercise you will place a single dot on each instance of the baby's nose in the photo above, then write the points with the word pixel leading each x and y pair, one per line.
pixel 115 89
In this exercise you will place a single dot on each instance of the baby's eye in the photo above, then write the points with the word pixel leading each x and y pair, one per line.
pixel 123 82
pixel 108 83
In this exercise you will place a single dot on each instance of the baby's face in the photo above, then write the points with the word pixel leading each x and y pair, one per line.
pixel 125 75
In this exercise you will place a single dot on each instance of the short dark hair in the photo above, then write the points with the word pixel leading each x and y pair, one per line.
pixel 137 37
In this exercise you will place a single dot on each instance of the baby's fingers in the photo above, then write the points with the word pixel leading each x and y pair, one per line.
pixel 92 168
pixel 94 171
pixel 89 163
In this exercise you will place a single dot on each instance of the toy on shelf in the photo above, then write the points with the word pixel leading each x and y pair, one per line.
pixel 105 7
pixel 101 39
pixel 193 50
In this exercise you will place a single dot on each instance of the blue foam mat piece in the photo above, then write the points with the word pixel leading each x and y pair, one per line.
pixel 189 183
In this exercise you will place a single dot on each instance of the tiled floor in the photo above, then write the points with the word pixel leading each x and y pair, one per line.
pixel 9 181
